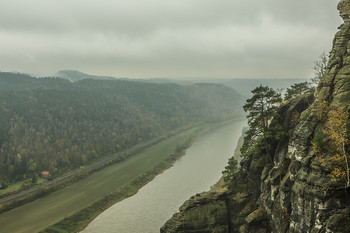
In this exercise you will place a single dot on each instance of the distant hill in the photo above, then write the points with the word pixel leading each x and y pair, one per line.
pixel 245 86
pixel 55 124
pixel 74 75
pixel 17 81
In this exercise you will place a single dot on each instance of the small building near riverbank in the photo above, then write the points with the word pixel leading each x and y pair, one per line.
pixel 45 174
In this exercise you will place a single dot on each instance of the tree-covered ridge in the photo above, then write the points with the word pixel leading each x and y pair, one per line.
pixel 17 81
pixel 53 124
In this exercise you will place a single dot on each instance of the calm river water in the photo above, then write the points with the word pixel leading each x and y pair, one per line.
pixel 156 202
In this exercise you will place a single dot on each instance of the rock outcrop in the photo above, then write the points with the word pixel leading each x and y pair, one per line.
pixel 206 212
pixel 296 193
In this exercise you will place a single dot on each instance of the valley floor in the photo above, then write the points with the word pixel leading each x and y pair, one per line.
pixel 51 209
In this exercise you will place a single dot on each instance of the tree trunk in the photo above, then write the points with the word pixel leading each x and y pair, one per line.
pixel 347 167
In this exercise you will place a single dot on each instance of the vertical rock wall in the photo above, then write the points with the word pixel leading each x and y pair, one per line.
pixel 303 200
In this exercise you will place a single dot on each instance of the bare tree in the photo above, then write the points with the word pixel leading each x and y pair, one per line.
pixel 319 68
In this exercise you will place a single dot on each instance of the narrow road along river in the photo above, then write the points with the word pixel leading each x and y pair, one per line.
pixel 157 201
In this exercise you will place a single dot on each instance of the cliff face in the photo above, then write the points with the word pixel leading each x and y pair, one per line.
pixel 296 193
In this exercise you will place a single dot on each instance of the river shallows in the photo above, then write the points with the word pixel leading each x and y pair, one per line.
pixel 157 201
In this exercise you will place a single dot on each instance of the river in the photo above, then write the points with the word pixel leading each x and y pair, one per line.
pixel 157 201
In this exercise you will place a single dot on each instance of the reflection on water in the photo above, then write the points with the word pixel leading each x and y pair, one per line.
pixel 157 201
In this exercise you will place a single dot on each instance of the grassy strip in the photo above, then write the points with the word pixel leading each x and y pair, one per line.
pixel 12 188
pixel 43 191
pixel 19 186
pixel 79 220
pixel 50 209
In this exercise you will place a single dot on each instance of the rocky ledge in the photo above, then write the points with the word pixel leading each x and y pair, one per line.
pixel 205 212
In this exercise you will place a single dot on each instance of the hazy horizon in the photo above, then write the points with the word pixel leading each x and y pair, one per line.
pixel 166 39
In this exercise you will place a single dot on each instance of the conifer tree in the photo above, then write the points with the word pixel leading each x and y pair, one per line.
pixel 261 108
pixel 297 89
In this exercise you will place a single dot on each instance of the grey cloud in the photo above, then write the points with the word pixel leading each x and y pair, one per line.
pixel 142 15
pixel 147 38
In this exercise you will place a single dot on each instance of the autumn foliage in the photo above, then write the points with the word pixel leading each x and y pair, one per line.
pixel 332 143
pixel 336 130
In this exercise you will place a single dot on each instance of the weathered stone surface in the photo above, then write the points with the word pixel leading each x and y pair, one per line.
pixel 255 217
pixel 344 9
pixel 256 221
pixel 339 222
pixel 206 212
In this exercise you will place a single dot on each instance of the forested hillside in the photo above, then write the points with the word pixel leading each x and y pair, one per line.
pixel 55 125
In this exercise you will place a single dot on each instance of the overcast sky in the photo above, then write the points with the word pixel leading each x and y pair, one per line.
pixel 167 38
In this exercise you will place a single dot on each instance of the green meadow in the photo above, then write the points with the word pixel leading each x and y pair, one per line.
pixel 64 203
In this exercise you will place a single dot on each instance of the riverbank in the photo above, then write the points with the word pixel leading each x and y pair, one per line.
pixel 156 202
pixel 81 219
pixel 20 197
pixel 63 204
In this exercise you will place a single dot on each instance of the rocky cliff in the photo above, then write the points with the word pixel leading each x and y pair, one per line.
pixel 295 193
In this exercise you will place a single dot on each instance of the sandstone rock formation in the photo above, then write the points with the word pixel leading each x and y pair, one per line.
pixel 296 193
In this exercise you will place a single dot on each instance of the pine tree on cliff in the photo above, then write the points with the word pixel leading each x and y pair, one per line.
pixel 261 108
pixel 297 89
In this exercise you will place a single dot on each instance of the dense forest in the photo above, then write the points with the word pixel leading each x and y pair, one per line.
pixel 53 124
